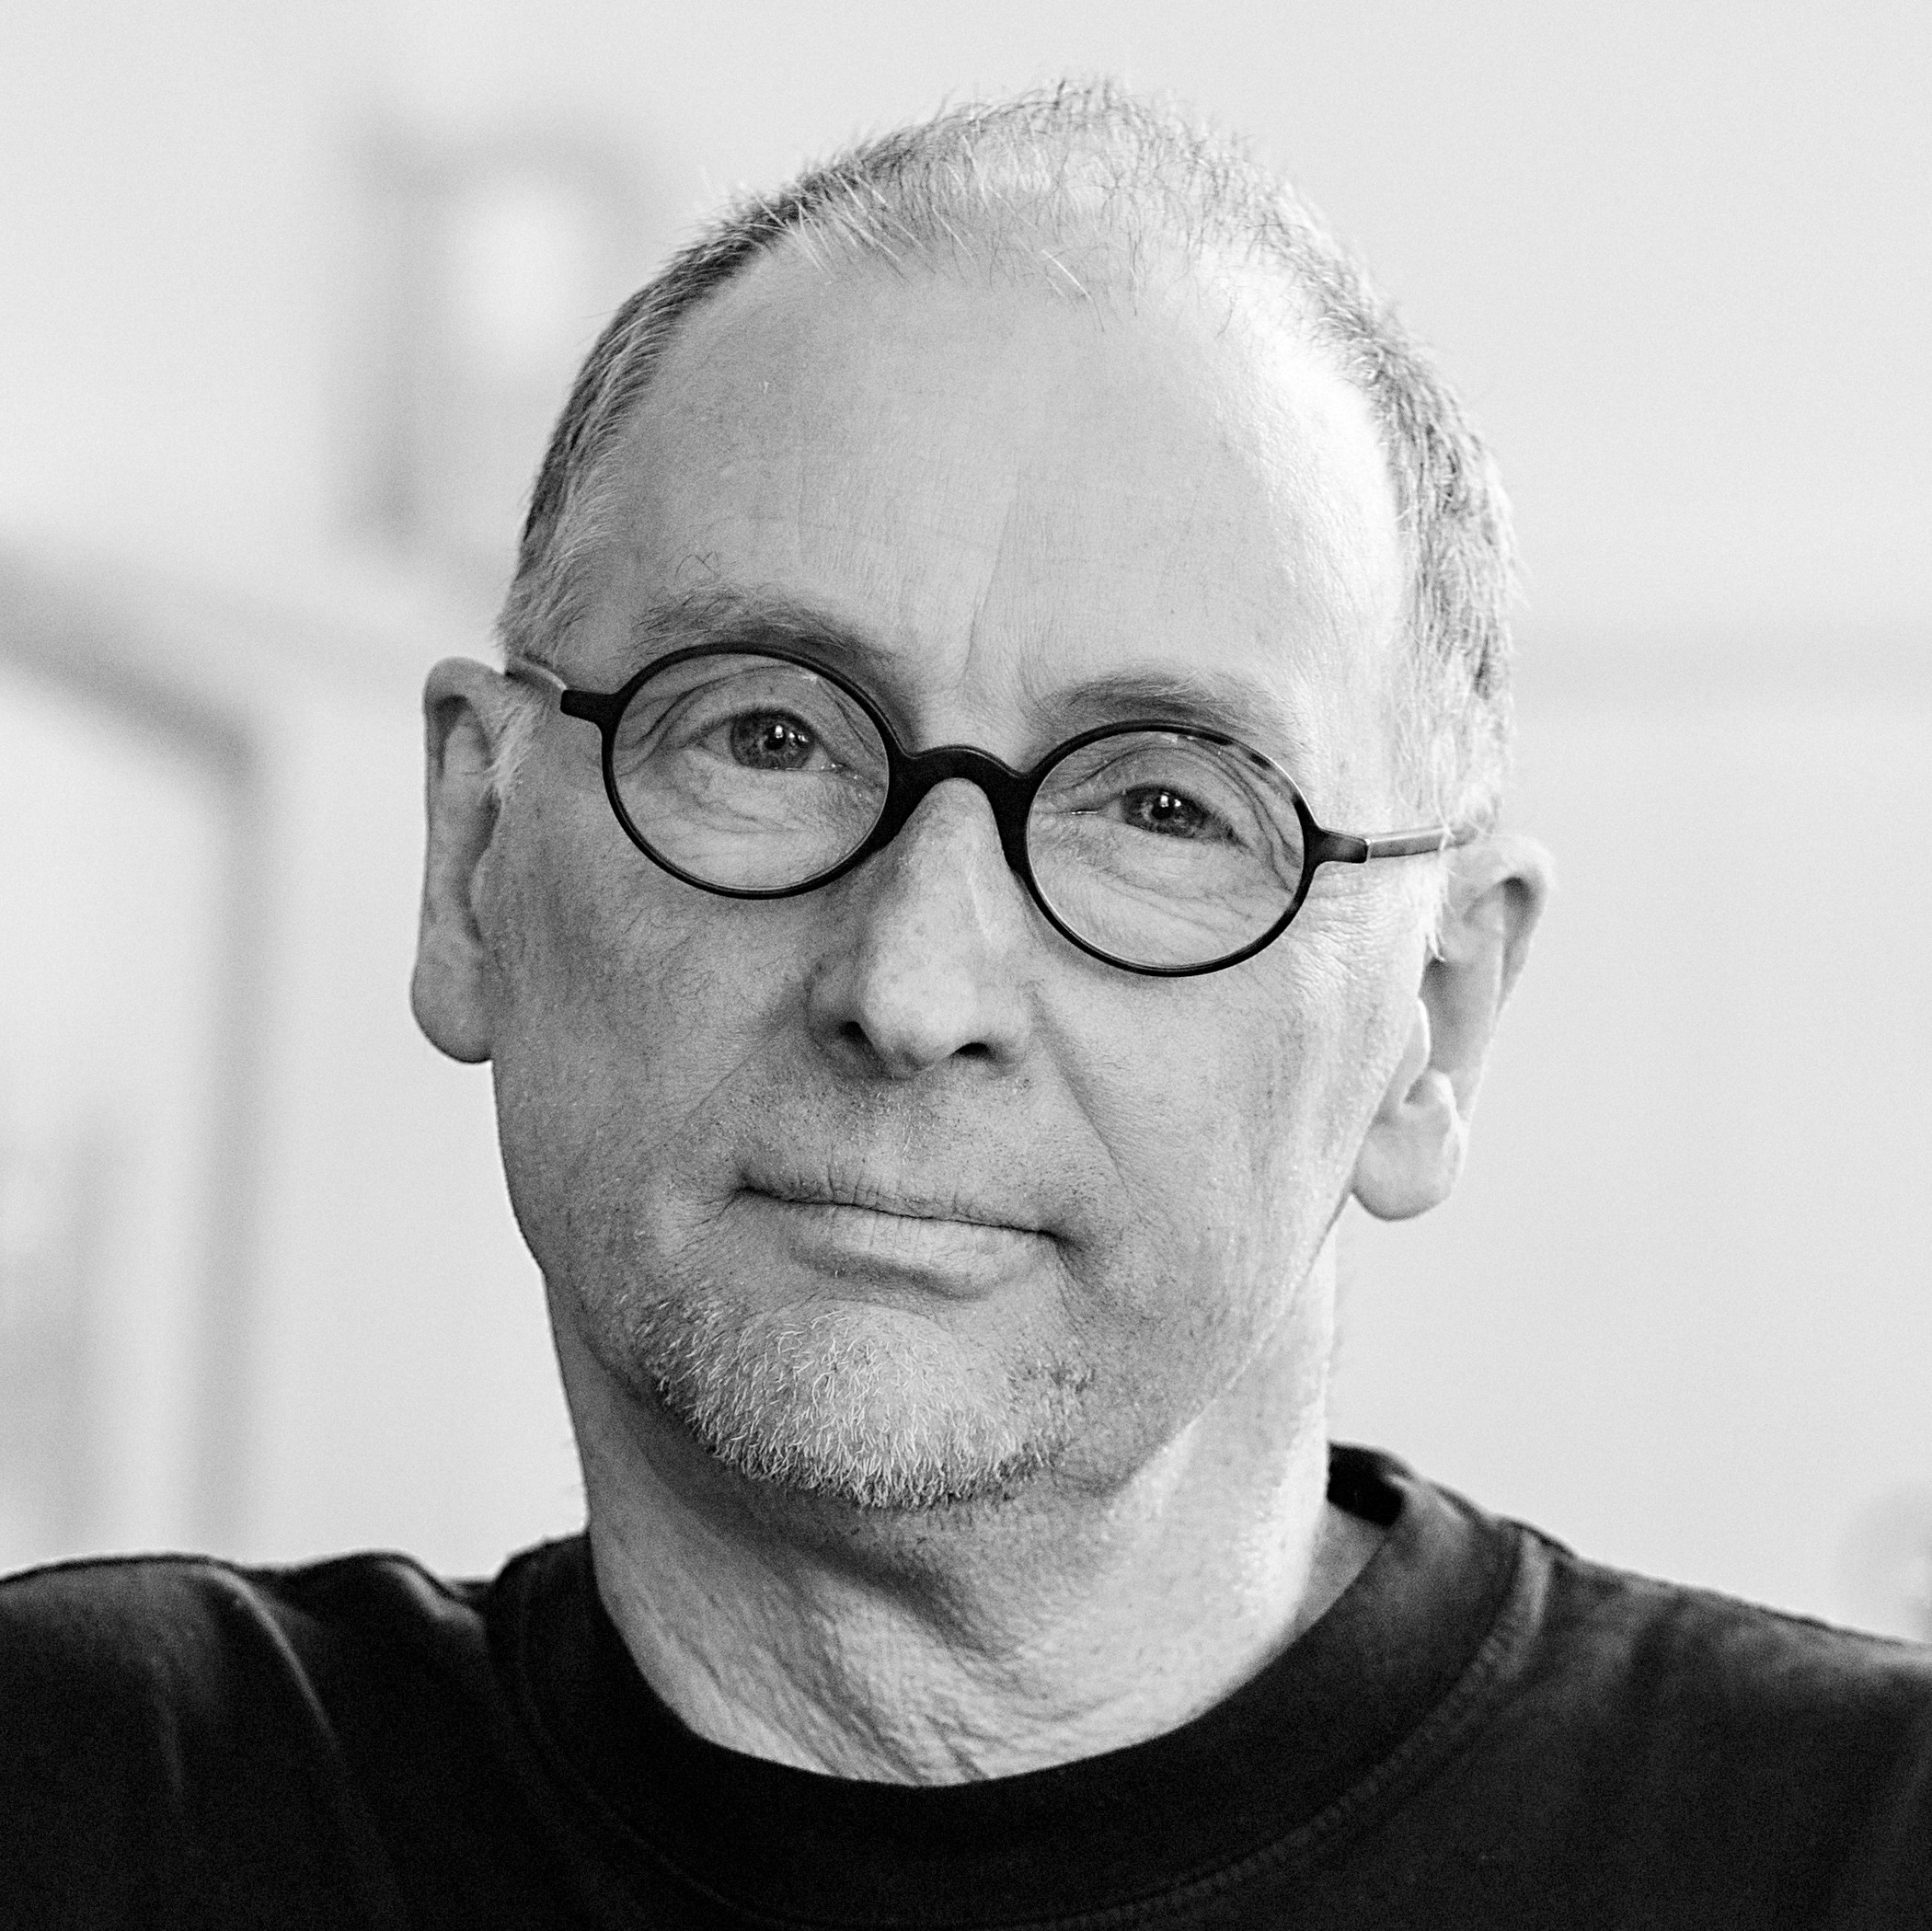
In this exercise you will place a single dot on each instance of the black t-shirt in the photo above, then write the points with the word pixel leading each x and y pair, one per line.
pixel 1483 1730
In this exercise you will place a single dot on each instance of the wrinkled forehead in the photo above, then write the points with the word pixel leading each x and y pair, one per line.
pixel 1005 489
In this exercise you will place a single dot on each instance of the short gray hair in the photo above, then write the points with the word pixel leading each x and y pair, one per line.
pixel 1072 165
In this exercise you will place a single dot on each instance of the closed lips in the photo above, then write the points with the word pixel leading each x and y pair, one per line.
pixel 880 1199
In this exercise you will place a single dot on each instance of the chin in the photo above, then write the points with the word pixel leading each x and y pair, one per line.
pixel 870 1406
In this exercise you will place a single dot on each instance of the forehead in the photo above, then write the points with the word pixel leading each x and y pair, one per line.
pixel 1005 492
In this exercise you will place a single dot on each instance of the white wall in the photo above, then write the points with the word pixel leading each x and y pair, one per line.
pixel 111 849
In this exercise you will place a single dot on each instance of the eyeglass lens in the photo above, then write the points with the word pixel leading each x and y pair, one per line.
pixel 755 774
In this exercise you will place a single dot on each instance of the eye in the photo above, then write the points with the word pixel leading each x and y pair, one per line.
pixel 771 741
pixel 1155 808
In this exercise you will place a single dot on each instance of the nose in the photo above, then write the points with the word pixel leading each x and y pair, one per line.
pixel 930 936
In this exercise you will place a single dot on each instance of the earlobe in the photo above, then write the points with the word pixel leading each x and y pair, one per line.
pixel 453 990
pixel 1414 1148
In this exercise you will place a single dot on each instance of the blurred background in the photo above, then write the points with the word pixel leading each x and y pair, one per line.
pixel 287 298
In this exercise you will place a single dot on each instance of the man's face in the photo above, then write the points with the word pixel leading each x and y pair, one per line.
pixel 887 1190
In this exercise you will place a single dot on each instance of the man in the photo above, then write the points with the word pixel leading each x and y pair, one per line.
pixel 986 838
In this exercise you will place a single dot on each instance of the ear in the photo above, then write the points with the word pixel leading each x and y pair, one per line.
pixel 466 710
pixel 1416 1142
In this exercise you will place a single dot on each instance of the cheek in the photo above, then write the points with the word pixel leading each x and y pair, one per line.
pixel 622 1011
pixel 1195 1114
pixel 1236 1116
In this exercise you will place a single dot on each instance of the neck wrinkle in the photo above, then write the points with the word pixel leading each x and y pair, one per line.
pixel 997 1639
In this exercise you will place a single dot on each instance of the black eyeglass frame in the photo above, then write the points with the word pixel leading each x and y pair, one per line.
pixel 1009 794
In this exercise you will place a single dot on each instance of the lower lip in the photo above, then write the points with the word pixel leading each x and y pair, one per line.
pixel 957 1257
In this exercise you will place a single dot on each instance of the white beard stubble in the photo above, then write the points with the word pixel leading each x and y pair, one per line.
pixel 856 1403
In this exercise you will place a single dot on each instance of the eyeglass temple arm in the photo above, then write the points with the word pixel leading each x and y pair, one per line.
pixel 600 707
pixel 595 707
pixel 539 677
pixel 1346 848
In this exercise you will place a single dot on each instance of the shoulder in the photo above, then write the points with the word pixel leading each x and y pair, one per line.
pixel 159 1633
pixel 1724 1665
pixel 1722 1737
pixel 149 1705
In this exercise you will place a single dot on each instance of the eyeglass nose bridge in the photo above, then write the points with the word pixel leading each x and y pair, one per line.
pixel 1009 793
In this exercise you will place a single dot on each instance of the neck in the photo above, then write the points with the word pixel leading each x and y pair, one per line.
pixel 980 1640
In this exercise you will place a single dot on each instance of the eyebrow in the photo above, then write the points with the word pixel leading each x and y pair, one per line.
pixel 1220 701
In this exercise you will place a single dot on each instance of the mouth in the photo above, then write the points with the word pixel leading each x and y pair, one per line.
pixel 858 1230
pixel 897 1200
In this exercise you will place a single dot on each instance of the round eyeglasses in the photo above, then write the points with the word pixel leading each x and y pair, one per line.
pixel 1160 848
